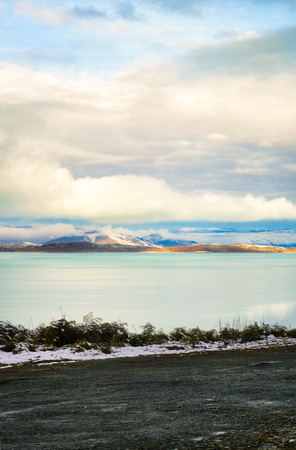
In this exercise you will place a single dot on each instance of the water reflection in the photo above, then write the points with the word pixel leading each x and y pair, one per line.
pixel 280 312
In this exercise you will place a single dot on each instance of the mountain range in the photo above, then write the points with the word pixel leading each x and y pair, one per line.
pixel 109 245
pixel 151 237
pixel 206 241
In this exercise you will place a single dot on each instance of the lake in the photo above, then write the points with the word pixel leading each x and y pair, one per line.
pixel 166 289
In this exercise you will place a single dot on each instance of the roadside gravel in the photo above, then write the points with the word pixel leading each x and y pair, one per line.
pixel 216 400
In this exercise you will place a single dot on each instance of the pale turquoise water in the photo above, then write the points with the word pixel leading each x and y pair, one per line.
pixel 167 290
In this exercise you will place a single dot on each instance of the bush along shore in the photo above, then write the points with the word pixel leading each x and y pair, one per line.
pixel 95 337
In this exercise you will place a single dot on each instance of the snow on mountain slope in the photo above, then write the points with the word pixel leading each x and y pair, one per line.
pixel 124 240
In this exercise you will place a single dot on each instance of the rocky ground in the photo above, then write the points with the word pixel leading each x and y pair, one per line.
pixel 219 400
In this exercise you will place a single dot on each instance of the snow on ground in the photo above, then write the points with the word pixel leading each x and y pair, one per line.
pixel 69 355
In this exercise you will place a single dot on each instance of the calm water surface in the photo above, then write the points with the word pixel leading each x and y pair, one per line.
pixel 167 290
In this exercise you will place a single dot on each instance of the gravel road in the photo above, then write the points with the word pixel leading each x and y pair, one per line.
pixel 219 400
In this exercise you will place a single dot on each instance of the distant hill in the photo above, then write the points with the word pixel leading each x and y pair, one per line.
pixel 19 246
pixel 79 247
pixel 71 247
pixel 220 248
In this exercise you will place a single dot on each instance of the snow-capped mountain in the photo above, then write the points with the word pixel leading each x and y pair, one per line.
pixel 116 238
pixel 103 239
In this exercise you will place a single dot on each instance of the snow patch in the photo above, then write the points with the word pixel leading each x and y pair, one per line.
pixel 68 354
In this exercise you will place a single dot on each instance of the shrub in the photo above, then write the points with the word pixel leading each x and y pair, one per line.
pixel 59 333
pixel 106 333
pixel 94 334
pixel 120 335
pixel 292 333
pixel 180 334
pixel 11 336
pixel 279 330
pixel 148 336
pixel 266 329
pixel 92 331
pixel 209 336
pixel 195 336
pixel 228 333
pixel 252 332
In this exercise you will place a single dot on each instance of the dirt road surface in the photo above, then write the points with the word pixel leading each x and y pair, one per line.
pixel 219 400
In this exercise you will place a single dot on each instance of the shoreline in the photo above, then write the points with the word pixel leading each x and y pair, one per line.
pixel 86 247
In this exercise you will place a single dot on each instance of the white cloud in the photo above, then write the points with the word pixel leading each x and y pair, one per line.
pixel 237 35
pixel 86 16
pixel 291 167
pixel 198 104
pixel 41 188
pixel 37 232
pixel 218 137
pixel 268 143
pixel 39 12
pixel 145 114
pixel 251 170
pixel 145 106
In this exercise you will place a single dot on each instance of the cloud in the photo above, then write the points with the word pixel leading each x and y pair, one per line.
pixel 251 170
pixel 291 3
pixel 218 137
pixel 183 7
pixel 88 13
pixel 226 34
pixel 59 16
pixel 42 188
pixel 127 11
pixel 148 121
pixel 269 143
pixel 291 167
pixel 250 53
pixel 235 34
pixel 37 233
pixel 38 12
pixel 122 10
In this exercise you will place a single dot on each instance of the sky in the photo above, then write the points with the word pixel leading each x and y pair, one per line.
pixel 147 111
